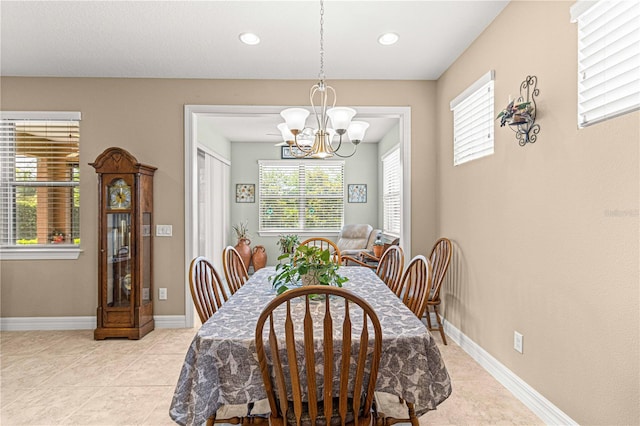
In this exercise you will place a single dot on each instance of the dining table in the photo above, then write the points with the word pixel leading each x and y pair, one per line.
pixel 221 365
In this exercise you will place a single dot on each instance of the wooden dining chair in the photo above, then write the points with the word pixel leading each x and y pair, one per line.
pixel 208 295
pixel 415 285
pixel 440 258
pixel 301 387
pixel 234 270
pixel 324 244
pixel 389 268
pixel 206 287
pixel 414 291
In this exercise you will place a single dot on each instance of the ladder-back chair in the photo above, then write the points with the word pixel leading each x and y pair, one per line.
pixel 325 244
pixel 234 270
pixel 440 258
pixel 350 338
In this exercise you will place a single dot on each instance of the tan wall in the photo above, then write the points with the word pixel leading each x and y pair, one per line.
pixel 547 234
pixel 145 116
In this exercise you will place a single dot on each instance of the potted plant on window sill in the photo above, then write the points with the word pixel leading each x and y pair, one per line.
pixel 288 243
pixel 378 248
pixel 307 265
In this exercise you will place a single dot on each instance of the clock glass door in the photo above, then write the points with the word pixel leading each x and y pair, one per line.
pixel 119 267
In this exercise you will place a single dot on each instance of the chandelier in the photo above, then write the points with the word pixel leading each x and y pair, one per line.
pixel 305 142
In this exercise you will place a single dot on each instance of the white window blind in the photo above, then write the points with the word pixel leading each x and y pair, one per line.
pixel 39 181
pixel 473 121
pixel 301 196
pixel 608 59
pixel 391 192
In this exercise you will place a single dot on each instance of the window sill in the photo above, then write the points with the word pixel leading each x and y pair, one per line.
pixel 40 253
pixel 303 235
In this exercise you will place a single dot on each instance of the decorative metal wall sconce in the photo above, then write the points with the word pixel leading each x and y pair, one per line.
pixel 520 114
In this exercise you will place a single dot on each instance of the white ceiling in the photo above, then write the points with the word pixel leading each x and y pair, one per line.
pixel 199 39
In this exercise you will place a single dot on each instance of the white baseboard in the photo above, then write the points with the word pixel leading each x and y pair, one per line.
pixel 76 323
pixel 537 403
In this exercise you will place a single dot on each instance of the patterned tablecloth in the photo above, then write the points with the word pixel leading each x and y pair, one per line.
pixel 221 364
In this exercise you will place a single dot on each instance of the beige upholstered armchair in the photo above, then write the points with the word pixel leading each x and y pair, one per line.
pixel 355 238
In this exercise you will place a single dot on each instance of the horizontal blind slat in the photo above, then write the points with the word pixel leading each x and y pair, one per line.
pixel 608 61
pixel 40 181
pixel 473 125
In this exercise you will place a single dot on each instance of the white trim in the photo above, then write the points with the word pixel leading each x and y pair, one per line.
pixel 405 167
pixel 490 75
pixel 190 171
pixel 580 7
pixel 531 398
pixel 171 321
pixel 47 323
pixel 209 151
pixel 40 253
pixel 75 323
pixel 190 196
pixel 40 115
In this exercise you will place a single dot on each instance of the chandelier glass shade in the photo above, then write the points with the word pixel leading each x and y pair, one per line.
pixel 330 120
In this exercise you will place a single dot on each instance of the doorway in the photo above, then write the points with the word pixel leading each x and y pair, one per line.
pixel 192 114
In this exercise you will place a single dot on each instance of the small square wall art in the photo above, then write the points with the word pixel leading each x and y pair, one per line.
pixel 245 193
pixel 357 193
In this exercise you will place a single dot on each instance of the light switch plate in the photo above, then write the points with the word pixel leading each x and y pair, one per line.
pixel 517 341
pixel 164 230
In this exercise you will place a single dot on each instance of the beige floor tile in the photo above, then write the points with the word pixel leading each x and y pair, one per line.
pixel 66 377
pixel 93 370
pixel 159 415
pixel 29 371
pixel 47 406
pixel 8 395
pixel 118 406
pixel 152 370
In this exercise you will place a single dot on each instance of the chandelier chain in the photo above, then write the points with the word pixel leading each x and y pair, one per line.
pixel 321 74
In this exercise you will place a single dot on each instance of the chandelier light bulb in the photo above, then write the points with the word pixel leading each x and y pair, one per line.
pixel 295 118
pixel 340 118
pixel 357 130
pixel 286 133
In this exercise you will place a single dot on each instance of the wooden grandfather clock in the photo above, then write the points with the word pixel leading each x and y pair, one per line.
pixel 125 222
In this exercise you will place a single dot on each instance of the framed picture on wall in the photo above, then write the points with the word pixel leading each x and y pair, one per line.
pixel 288 152
pixel 245 193
pixel 357 193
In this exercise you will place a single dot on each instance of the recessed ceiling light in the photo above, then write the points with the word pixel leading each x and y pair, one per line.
pixel 249 38
pixel 388 39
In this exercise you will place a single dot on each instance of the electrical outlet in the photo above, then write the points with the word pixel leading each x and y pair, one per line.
pixel 162 293
pixel 517 341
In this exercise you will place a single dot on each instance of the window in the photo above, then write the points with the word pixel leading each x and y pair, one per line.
pixel 39 182
pixel 301 196
pixel 473 121
pixel 608 59
pixel 391 174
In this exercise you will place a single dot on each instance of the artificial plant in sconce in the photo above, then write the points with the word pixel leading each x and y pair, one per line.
pixel 515 113
pixel 520 114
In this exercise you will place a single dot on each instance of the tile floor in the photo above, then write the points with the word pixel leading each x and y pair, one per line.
pixel 67 378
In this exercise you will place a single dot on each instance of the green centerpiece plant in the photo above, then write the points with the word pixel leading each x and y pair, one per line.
pixel 307 265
